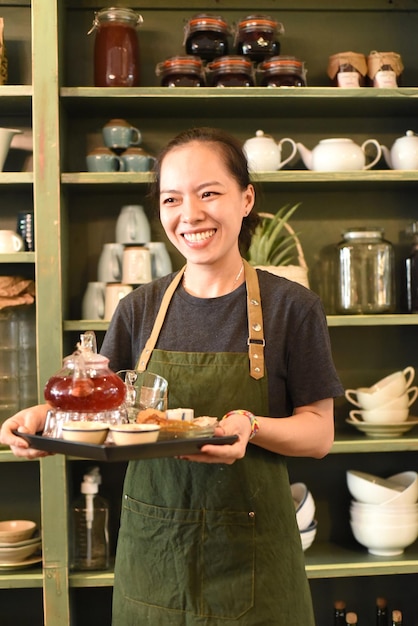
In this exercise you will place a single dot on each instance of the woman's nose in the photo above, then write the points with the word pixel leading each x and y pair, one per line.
pixel 191 211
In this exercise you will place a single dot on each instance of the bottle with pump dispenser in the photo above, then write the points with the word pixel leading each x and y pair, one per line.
pixel 90 526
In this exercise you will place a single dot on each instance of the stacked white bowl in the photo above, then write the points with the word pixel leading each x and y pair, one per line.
pixel 384 512
pixel 305 513
pixel 385 402
pixel 18 541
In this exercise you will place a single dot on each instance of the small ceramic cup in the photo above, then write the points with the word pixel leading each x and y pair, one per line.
pixel 136 265
pixel 118 135
pixel 137 160
pixel 113 294
pixel 103 160
pixel 10 241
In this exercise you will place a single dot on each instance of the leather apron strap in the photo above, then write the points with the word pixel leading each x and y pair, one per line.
pixel 255 340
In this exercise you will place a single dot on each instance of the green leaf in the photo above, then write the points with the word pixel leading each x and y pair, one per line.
pixel 272 244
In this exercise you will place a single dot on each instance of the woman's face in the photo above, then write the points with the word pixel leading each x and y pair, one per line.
pixel 201 203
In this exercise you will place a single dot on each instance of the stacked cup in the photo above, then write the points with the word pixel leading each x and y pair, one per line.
pixel 385 402
pixel 305 513
pixel 384 511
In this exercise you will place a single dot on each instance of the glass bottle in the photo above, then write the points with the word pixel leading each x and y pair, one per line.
pixel 351 619
pixel 382 617
pixel 89 525
pixel 231 71
pixel 256 37
pixel 339 613
pixel 116 47
pixel 411 272
pixel 397 618
pixel 365 272
pixel 181 71
pixel 206 36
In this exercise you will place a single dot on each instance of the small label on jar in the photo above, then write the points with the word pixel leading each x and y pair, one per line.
pixel 348 80
pixel 385 78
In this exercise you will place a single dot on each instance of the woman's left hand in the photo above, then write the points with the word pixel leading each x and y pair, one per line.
pixel 235 425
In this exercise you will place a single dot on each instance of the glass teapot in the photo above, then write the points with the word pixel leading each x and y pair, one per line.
pixel 85 389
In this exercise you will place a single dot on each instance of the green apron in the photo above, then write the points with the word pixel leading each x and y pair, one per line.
pixel 211 545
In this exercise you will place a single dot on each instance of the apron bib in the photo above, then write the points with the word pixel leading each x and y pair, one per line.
pixel 211 545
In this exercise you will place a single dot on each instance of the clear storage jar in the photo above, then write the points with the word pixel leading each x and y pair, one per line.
pixel 365 271
pixel 181 71
pixel 206 36
pixel 282 71
pixel 116 47
pixel 231 71
pixel 256 37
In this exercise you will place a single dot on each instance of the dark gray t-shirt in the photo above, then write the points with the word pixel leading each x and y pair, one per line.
pixel 297 353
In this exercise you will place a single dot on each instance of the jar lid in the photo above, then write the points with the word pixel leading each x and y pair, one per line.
pixel 376 60
pixel 356 59
pixel 188 63
pixel 260 22
pixel 285 62
pixel 116 14
pixel 363 233
pixel 205 21
pixel 231 62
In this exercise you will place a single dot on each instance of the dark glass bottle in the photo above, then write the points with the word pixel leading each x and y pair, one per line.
pixel 411 272
pixel 382 618
pixel 339 613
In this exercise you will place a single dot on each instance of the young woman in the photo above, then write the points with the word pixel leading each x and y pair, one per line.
pixel 212 539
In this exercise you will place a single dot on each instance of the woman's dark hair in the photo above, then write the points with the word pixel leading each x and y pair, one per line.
pixel 234 158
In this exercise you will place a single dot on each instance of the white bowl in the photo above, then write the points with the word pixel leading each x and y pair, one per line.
pixel 16 554
pixel 131 434
pixel 12 531
pixel 408 481
pixel 377 517
pixel 369 488
pixel 304 504
pixel 385 540
pixel 307 535
pixel 384 508
pixel 85 432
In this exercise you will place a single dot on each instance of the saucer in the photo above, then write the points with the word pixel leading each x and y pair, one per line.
pixel 21 564
pixel 384 430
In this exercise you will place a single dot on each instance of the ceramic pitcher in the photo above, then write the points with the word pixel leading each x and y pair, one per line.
pixel 132 225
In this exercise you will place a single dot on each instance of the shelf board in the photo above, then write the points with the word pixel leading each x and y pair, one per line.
pixel 359 442
pixel 7 456
pixel 197 102
pixel 16 178
pixel 21 579
pixel 18 257
pixel 16 99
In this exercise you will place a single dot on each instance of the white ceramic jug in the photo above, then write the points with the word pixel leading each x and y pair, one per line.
pixel 160 259
pixel 110 263
pixel 132 225
pixel 6 136
pixel 93 303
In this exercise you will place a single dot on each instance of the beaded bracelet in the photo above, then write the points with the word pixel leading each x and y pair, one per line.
pixel 255 426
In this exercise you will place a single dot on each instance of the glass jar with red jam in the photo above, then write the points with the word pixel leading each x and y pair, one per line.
pixel 256 37
pixel 206 36
pixel 116 47
pixel 282 71
pixel 231 71
pixel 181 71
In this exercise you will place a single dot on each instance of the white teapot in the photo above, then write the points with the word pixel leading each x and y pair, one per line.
pixel 339 155
pixel 404 153
pixel 265 154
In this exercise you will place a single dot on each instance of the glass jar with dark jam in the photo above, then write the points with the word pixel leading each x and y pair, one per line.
pixel 116 47
pixel 347 70
pixel 282 71
pixel 181 71
pixel 256 37
pixel 384 69
pixel 231 71
pixel 206 36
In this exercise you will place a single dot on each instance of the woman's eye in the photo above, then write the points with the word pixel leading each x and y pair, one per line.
pixel 208 194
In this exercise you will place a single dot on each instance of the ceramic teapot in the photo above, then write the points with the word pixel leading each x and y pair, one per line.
pixel 265 154
pixel 404 152
pixel 339 155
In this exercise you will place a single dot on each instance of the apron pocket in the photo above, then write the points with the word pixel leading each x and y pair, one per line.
pixel 202 562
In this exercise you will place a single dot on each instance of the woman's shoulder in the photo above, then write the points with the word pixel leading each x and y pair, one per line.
pixel 275 285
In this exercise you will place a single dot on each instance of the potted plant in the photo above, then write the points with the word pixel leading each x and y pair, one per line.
pixel 275 245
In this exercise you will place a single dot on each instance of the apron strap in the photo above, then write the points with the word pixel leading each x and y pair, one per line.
pixel 159 321
pixel 256 341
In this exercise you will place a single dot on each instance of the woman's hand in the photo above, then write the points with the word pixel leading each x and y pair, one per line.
pixel 236 424
pixel 29 421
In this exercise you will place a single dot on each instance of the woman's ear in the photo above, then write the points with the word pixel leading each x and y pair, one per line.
pixel 249 200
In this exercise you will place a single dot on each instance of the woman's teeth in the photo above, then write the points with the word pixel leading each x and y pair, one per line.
pixel 195 237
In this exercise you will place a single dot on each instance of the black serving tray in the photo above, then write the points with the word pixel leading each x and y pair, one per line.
pixel 111 452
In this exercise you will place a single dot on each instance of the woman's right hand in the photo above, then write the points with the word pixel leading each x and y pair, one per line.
pixel 29 421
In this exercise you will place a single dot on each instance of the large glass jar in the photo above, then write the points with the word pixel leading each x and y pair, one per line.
pixel 181 71
pixel 256 37
pixel 365 272
pixel 206 36
pixel 116 47
pixel 231 71
pixel 282 71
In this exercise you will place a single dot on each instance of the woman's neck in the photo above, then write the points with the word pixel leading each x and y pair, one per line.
pixel 212 284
